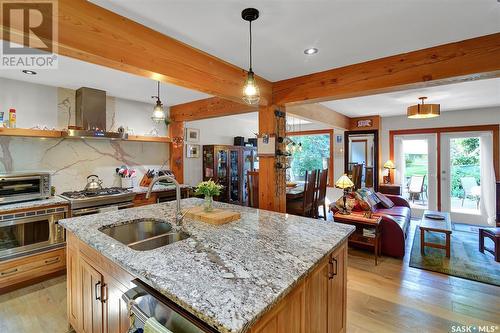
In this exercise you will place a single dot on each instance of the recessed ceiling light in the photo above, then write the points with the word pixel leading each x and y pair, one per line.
pixel 26 71
pixel 311 51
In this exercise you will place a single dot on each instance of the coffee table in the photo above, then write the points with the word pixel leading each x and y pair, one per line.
pixel 443 226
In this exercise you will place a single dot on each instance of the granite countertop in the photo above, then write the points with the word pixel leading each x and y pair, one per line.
pixel 56 200
pixel 228 275
pixel 156 188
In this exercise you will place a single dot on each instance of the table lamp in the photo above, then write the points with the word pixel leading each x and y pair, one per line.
pixel 389 165
pixel 344 183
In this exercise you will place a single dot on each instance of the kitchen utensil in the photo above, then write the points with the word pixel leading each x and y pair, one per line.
pixel 94 184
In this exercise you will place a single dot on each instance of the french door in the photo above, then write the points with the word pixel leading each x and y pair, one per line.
pixel 416 170
pixel 467 176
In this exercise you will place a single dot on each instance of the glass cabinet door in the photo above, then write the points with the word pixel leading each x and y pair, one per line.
pixel 247 166
pixel 234 186
pixel 208 163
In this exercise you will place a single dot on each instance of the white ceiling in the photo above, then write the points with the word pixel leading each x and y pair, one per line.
pixel 459 96
pixel 73 74
pixel 344 31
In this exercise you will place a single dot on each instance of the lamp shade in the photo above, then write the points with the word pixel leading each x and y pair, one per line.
pixel 389 165
pixel 344 182
pixel 422 111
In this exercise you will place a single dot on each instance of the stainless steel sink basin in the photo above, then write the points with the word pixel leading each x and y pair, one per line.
pixel 143 235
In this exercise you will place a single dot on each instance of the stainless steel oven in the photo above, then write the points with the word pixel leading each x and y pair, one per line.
pixel 24 186
pixel 30 231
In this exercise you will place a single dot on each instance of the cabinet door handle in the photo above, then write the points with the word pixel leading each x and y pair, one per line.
pixel 52 261
pixel 104 291
pixel 332 268
pixel 12 271
pixel 97 298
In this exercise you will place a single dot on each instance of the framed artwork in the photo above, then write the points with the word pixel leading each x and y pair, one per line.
pixel 192 151
pixel 192 135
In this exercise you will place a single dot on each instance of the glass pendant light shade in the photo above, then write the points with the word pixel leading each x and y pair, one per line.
pixel 251 93
pixel 159 115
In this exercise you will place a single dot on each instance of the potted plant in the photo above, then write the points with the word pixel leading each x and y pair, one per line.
pixel 209 189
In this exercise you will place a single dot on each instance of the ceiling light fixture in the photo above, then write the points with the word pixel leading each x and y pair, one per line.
pixel 311 51
pixel 27 71
pixel 422 111
pixel 158 111
pixel 251 93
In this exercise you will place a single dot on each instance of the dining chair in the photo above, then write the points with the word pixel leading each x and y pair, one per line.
pixel 253 188
pixel 357 174
pixel 321 193
pixel 305 205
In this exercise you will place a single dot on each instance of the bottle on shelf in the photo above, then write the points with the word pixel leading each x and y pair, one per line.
pixel 12 118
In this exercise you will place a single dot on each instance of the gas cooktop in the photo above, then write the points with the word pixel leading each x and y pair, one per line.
pixel 90 195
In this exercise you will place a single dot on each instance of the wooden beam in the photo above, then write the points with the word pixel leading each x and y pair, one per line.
pixel 471 59
pixel 176 132
pixel 318 112
pixel 209 108
pixel 271 179
pixel 93 34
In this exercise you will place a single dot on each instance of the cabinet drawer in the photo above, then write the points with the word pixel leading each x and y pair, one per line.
pixel 27 268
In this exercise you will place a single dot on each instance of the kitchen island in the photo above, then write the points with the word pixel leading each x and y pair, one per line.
pixel 267 272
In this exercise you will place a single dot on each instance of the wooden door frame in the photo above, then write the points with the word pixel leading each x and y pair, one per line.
pixel 376 156
pixel 495 129
pixel 321 132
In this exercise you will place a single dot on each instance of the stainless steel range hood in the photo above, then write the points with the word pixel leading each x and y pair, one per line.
pixel 90 116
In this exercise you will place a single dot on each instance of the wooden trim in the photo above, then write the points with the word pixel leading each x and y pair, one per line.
pixel 332 148
pixel 176 130
pixel 495 129
pixel 209 108
pixel 89 32
pixel 471 59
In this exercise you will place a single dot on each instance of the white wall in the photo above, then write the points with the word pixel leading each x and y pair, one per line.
pixel 220 130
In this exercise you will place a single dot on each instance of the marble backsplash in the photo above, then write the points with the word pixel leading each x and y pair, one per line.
pixel 71 160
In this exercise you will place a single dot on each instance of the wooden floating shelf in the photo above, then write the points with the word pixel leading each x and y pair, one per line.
pixel 143 138
pixel 29 132
pixel 36 133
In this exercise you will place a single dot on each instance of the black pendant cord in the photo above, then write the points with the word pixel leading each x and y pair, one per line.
pixel 250 46
pixel 158 90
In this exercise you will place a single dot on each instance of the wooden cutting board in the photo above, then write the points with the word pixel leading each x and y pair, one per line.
pixel 217 216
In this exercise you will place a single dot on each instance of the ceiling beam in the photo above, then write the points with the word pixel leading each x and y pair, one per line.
pixel 320 113
pixel 471 59
pixel 208 108
pixel 93 34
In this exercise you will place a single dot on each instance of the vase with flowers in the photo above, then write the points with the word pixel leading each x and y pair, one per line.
pixel 209 189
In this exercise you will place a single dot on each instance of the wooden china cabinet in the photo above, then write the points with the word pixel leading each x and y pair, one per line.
pixel 228 166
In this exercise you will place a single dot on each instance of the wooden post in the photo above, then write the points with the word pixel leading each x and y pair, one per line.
pixel 176 133
pixel 272 195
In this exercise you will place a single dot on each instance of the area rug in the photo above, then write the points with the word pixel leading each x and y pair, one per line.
pixel 466 261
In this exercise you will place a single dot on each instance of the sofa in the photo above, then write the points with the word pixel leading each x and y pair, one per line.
pixel 394 225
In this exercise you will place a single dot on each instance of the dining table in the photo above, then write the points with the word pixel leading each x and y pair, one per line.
pixel 294 193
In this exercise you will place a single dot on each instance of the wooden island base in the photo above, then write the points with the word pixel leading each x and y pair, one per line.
pixel 95 287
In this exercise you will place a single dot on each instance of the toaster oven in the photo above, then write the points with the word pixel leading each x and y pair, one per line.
pixel 24 186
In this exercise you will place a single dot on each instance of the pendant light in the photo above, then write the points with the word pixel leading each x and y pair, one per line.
pixel 251 93
pixel 158 111
pixel 422 111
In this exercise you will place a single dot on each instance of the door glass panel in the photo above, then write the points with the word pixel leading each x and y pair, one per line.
pixel 234 195
pixel 9 188
pixel 465 173
pixel 416 172
pixel 18 235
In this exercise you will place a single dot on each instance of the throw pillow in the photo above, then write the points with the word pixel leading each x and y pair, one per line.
pixel 369 198
pixel 385 201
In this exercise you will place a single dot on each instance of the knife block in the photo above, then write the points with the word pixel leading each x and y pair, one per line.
pixel 145 181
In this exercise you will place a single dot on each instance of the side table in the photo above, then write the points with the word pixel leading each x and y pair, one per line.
pixel 361 222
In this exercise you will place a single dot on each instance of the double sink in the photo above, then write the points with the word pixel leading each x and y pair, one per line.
pixel 144 234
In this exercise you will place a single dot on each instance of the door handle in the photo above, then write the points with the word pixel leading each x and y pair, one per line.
pixel 332 263
pixel 97 298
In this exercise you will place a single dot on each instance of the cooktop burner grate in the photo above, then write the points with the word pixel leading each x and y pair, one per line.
pixel 102 192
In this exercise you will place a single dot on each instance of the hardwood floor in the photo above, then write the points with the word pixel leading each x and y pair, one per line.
pixel 390 297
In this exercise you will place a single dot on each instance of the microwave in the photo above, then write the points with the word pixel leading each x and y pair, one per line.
pixel 24 186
